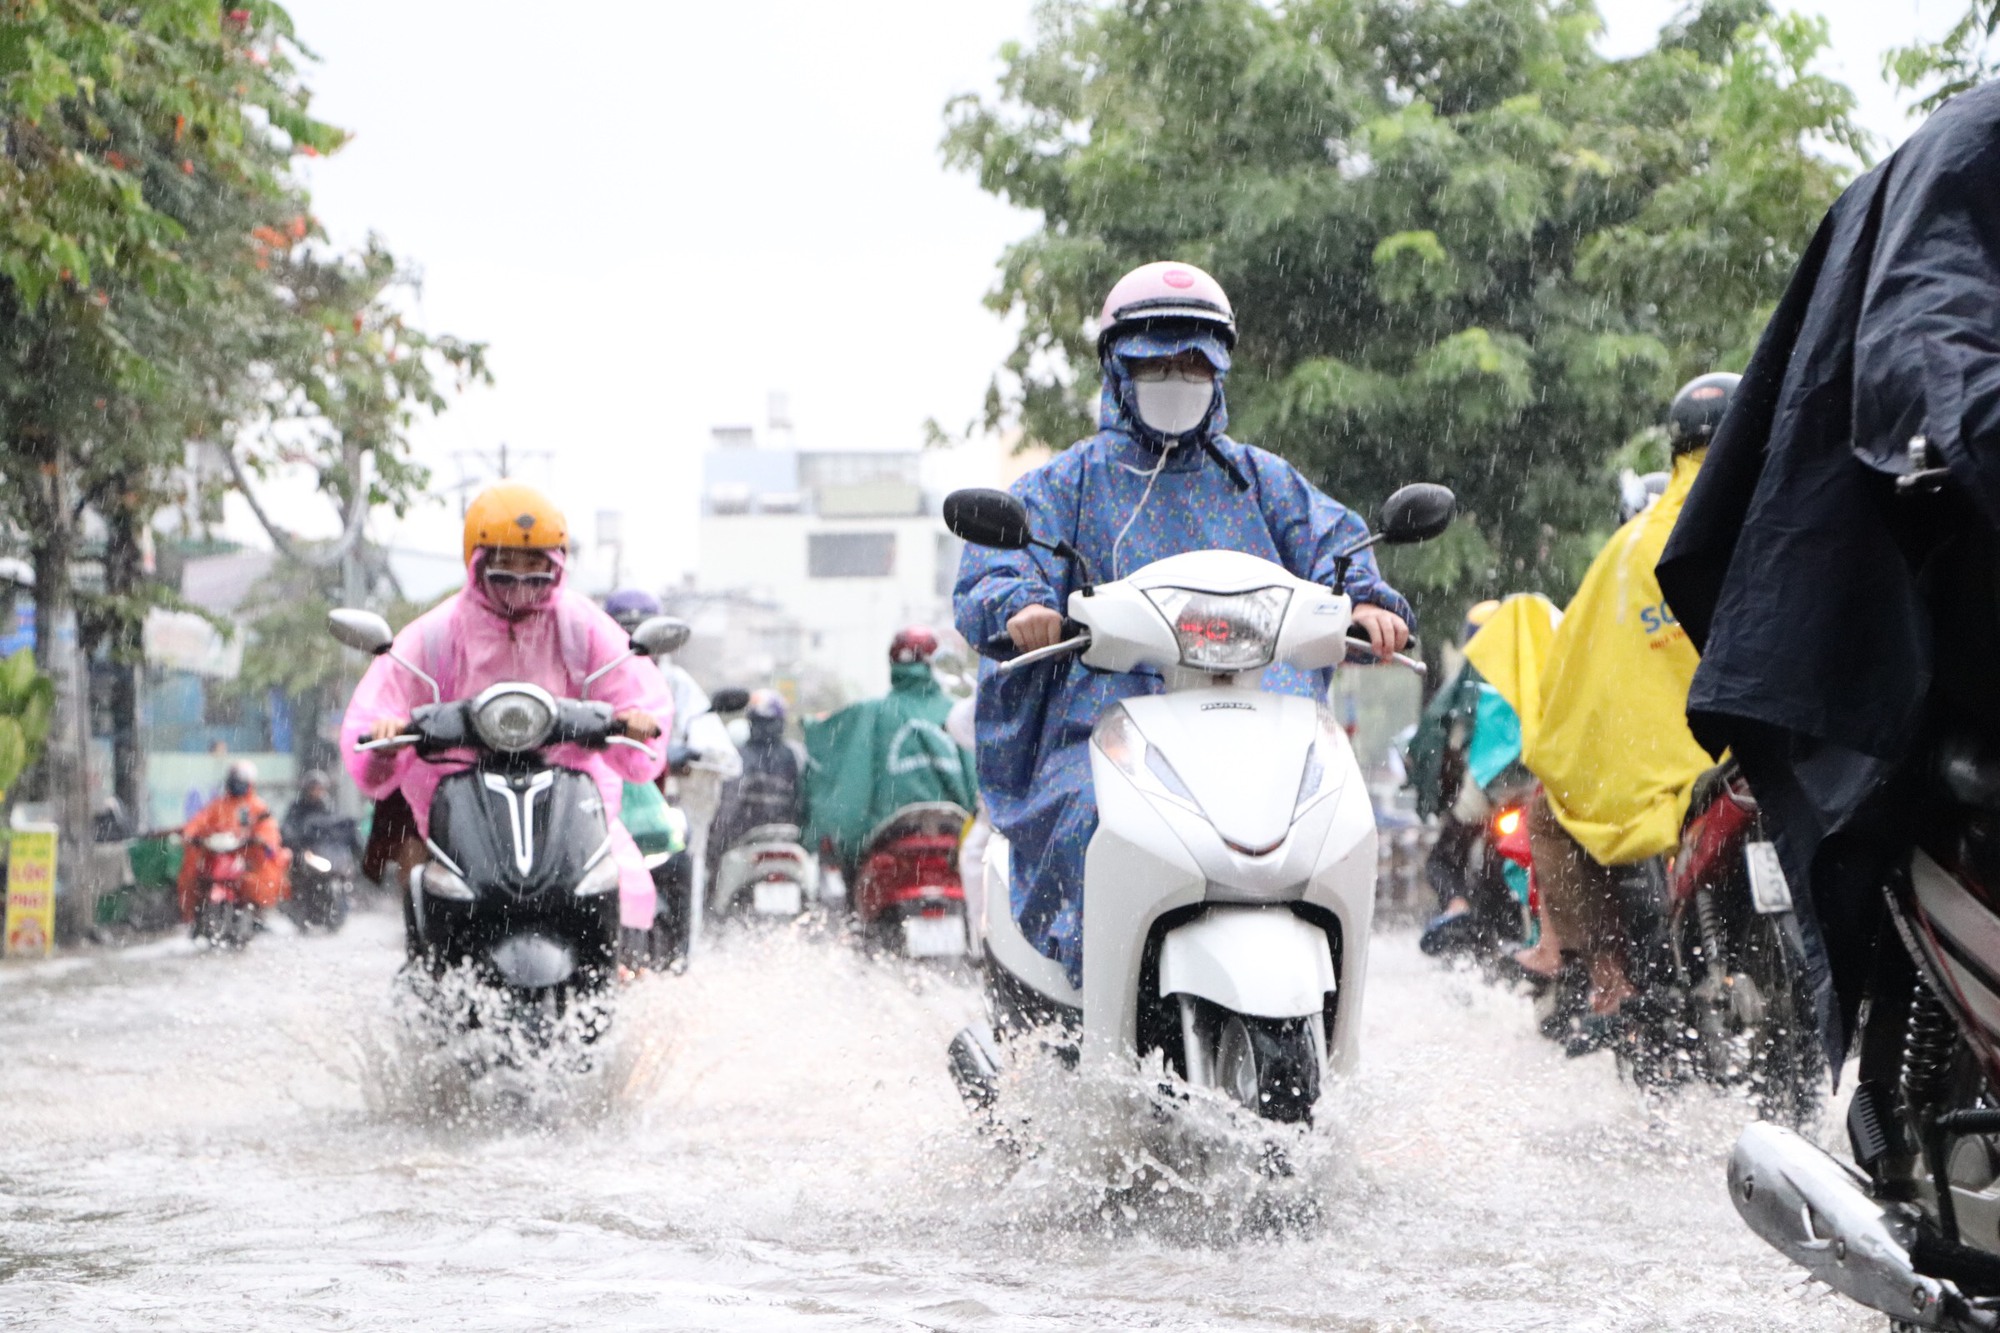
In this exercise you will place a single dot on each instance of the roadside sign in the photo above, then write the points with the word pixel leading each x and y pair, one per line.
pixel 31 891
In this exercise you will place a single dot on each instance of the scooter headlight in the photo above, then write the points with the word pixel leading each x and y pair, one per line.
pixel 513 717
pixel 1323 768
pixel 1224 631
pixel 600 878
pixel 1118 736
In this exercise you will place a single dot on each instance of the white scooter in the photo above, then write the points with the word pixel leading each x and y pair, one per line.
pixel 1230 884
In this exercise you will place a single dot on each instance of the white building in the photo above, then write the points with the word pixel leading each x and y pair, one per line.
pixel 849 543
pixel 846 543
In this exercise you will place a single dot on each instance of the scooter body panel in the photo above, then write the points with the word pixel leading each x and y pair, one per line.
pixel 521 841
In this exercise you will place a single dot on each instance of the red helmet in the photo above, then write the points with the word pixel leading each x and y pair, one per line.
pixel 915 644
pixel 1165 290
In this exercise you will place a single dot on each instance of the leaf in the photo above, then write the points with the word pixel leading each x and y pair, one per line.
pixel 13 753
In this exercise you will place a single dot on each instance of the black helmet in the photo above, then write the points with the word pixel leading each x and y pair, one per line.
pixel 1698 409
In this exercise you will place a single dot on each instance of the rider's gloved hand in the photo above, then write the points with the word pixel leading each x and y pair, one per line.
pixel 1035 627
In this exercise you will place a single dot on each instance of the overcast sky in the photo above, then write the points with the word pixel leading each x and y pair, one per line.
pixel 657 214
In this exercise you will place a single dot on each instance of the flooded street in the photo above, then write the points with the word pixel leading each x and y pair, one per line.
pixel 214 1142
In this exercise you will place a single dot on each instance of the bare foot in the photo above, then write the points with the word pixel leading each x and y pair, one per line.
pixel 1544 960
pixel 1609 986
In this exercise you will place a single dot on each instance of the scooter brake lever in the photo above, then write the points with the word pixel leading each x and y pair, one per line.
pixel 390 742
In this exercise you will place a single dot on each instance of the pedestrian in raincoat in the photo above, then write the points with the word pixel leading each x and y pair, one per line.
pixel 514 621
pixel 1159 478
pixel 239 810
pixel 869 760
pixel 1612 747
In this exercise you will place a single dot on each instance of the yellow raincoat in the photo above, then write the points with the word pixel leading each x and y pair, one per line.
pixel 1511 650
pixel 1612 748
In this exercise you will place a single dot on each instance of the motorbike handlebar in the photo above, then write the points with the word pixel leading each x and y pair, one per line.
pixel 390 743
pixel 1075 644
pixel 1361 643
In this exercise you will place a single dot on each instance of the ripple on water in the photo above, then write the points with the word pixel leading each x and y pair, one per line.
pixel 771 1141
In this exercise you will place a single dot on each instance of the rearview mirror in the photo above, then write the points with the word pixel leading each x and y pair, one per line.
pixel 732 699
pixel 360 629
pixel 986 517
pixel 656 636
pixel 1416 513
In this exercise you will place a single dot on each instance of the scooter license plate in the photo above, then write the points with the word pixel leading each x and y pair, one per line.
pixel 777 897
pixel 934 936
pixel 1768 891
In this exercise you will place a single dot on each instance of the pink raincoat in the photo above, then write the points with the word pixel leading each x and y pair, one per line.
pixel 467 643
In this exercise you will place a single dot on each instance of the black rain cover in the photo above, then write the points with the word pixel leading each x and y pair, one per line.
pixel 1795 566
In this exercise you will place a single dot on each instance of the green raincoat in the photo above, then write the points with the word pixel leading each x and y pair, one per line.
pixel 871 759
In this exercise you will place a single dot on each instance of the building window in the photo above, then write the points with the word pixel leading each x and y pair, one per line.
pixel 850 555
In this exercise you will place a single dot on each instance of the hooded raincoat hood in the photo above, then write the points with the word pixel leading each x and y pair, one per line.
pixel 870 759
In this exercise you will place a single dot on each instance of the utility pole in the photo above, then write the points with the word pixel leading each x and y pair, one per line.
pixel 484 467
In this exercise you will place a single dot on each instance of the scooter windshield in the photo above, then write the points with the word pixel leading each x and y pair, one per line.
pixel 1224 632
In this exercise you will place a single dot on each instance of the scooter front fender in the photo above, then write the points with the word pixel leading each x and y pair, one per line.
pixel 533 962
pixel 1263 962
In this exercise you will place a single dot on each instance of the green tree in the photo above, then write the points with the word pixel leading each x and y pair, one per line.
pixel 1963 58
pixel 27 701
pixel 1463 245
pixel 162 285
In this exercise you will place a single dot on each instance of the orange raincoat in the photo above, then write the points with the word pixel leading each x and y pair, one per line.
pixel 266 879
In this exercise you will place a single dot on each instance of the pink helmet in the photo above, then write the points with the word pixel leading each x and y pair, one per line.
pixel 1165 290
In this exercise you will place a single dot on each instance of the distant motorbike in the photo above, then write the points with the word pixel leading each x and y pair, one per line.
pixel 1739 963
pixel 521 888
pixel 324 868
pixel 907 891
pixel 1497 886
pixel 1714 951
pixel 766 875
pixel 223 916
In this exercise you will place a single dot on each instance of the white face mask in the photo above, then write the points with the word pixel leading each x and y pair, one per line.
pixel 1173 406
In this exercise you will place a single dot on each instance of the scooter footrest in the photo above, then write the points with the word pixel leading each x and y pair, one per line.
pixel 975 1068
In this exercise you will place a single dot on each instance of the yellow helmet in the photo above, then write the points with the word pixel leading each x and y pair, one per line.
pixel 1481 612
pixel 513 514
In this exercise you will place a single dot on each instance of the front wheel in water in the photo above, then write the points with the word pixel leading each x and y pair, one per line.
pixel 1270 1066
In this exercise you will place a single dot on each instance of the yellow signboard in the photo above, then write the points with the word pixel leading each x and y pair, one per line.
pixel 31 892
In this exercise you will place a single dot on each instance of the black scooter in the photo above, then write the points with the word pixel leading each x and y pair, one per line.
pixel 325 864
pixel 520 892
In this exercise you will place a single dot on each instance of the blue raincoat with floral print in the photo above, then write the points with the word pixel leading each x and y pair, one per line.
pixel 1033 725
